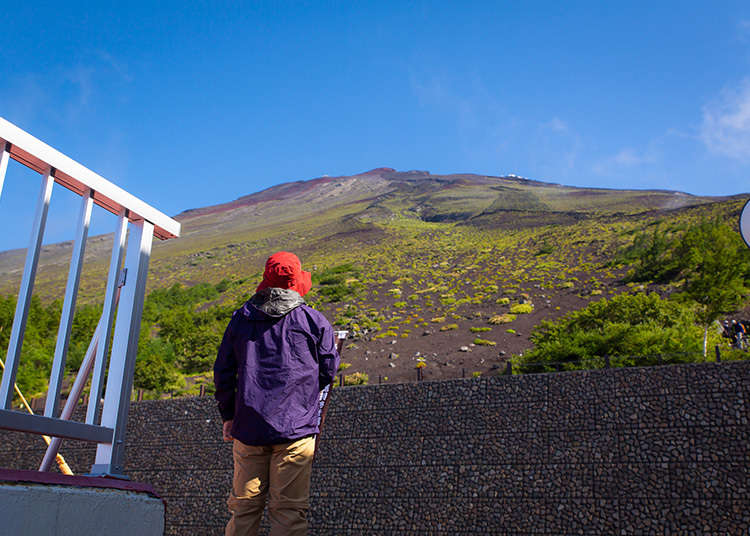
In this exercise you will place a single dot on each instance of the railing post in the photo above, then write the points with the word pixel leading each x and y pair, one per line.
pixel 24 294
pixel 108 313
pixel 69 306
pixel 606 362
pixel 509 368
pixel 109 456
pixel 718 354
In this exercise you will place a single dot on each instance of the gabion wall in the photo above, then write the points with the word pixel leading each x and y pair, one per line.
pixel 662 450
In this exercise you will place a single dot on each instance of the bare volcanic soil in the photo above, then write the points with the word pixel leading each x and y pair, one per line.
pixel 453 353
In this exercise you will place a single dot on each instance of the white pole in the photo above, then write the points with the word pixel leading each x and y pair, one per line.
pixel 69 306
pixel 24 294
pixel 109 456
pixel 108 312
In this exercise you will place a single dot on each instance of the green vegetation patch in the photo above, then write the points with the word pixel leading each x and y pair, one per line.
pixel 643 328
pixel 356 378
pixel 521 308
pixel 501 319
pixel 337 283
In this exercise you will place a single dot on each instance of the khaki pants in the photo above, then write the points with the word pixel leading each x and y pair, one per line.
pixel 280 471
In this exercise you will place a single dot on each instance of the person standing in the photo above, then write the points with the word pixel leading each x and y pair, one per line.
pixel 739 334
pixel 276 355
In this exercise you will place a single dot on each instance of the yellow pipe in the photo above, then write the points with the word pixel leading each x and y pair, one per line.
pixel 61 463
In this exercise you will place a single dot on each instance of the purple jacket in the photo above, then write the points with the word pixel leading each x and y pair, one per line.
pixel 276 356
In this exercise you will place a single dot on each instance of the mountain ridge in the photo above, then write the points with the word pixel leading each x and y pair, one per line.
pixel 391 178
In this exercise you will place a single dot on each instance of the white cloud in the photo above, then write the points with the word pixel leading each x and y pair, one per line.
pixel 81 78
pixel 556 124
pixel 629 157
pixel 625 158
pixel 725 129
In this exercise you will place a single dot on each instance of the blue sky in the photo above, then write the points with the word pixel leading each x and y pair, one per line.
pixel 186 104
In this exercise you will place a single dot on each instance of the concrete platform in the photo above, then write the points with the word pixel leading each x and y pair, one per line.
pixel 52 504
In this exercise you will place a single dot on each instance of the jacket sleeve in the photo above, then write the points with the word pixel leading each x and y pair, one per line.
pixel 225 375
pixel 328 356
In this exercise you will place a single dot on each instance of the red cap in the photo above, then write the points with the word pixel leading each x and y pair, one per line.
pixel 284 270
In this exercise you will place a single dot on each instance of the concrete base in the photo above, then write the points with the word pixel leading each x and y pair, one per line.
pixel 76 509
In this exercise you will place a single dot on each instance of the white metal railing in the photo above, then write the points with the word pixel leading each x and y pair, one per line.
pixel 125 291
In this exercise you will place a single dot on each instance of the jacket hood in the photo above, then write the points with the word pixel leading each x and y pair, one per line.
pixel 273 302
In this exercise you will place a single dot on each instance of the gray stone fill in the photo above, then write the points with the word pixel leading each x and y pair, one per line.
pixel 659 450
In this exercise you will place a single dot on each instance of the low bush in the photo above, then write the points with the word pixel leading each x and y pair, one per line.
pixel 521 308
pixel 642 328
pixel 385 334
pixel 356 378
pixel 501 319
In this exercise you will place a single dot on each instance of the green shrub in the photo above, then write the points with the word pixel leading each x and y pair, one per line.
pixel 357 378
pixel 448 327
pixel 501 319
pixel 479 330
pixel 334 293
pixel 632 325
pixel 484 342
pixel 521 308
pixel 502 301
pixel 336 283
pixel 385 334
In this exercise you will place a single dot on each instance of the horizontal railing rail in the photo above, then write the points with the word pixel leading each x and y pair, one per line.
pixel 137 224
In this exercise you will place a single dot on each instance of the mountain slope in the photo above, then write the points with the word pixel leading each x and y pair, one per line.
pixel 325 209
pixel 414 265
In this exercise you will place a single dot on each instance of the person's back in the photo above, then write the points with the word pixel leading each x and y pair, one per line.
pixel 276 356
